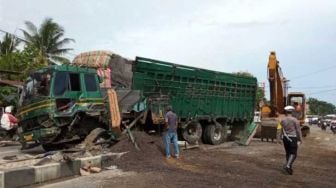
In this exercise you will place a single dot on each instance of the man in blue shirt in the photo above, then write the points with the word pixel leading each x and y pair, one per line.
pixel 170 134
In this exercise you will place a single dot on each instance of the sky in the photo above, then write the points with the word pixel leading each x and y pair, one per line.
pixel 223 35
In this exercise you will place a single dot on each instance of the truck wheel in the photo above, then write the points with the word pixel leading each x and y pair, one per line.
pixel 52 147
pixel 214 134
pixel 193 132
pixel 95 136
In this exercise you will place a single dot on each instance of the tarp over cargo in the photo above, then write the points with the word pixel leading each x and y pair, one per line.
pixel 113 69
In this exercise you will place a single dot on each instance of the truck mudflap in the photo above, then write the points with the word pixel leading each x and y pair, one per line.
pixel 246 135
pixel 45 135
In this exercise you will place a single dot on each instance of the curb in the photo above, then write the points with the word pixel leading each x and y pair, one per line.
pixel 25 176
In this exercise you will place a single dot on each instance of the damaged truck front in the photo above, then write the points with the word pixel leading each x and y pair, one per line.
pixel 61 104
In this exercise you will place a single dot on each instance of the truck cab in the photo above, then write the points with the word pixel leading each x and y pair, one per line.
pixel 55 100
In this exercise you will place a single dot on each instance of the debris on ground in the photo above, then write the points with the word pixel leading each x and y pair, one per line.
pixel 112 167
pixel 4 143
pixel 88 168
pixel 186 145
pixel 150 156
pixel 123 154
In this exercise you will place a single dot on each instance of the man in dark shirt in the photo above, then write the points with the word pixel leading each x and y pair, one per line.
pixel 290 131
pixel 170 134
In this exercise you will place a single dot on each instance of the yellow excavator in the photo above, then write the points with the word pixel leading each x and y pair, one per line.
pixel 279 98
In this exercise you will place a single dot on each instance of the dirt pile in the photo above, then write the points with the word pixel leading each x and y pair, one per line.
pixel 150 156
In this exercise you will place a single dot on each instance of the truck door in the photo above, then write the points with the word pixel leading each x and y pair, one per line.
pixel 66 89
pixel 91 86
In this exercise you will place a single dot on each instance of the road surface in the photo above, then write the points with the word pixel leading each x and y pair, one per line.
pixel 257 165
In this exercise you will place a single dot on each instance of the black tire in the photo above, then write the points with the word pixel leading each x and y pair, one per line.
pixel 52 147
pixel 192 133
pixel 214 134
pixel 96 135
pixel 204 136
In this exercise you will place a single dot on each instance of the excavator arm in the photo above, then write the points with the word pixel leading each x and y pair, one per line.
pixel 278 86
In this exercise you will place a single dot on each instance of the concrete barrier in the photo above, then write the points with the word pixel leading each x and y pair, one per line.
pixel 25 176
pixel 2 180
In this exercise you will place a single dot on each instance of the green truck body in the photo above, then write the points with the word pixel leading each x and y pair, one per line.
pixel 208 103
pixel 70 104
pixel 195 92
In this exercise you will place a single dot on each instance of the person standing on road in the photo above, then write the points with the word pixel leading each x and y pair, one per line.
pixel 8 121
pixel 290 131
pixel 170 134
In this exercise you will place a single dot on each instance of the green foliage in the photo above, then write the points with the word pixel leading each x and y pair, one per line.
pixel 242 73
pixel 320 107
pixel 21 61
pixel 260 96
pixel 48 40
pixel 8 96
pixel 43 46
pixel 8 44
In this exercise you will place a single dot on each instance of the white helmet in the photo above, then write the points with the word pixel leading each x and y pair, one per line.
pixel 9 109
pixel 289 108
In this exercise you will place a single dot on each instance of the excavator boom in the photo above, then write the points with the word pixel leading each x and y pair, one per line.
pixel 278 85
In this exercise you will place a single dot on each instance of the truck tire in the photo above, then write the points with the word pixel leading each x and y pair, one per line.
pixel 204 136
pixel 192 133
pixel 52 147
pixel 96 135
pixel 214 134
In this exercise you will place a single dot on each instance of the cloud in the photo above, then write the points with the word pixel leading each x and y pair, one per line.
pixel 228 36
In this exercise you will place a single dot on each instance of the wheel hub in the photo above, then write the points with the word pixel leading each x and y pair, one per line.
pixel 217 135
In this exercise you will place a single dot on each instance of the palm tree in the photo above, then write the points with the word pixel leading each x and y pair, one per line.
pixel 48 40
pixel 8 45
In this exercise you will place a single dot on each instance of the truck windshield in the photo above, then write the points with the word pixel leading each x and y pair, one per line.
pixel 37 85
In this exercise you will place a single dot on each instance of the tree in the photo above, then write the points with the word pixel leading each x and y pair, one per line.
pixel 8 95
pixel 20 61
pixel 8 44
pixel 48 40
pixel 320 107
pixel 260 95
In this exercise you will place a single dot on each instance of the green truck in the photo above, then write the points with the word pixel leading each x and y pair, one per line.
pixel 101 93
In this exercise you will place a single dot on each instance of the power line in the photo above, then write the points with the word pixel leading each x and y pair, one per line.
pixel 322 91
pixel 314 72
pixel 313 87
pixel 309 88
pixel 18 37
